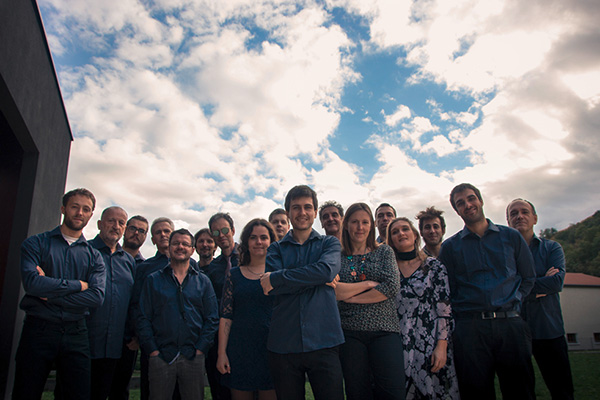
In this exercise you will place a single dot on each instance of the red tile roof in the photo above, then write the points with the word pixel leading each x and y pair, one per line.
pixel 579 279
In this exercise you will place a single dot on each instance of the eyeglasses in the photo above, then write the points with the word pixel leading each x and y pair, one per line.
pixel 133 229
pixel 224 231
pixel 177 244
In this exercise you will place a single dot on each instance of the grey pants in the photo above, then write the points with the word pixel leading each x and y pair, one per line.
pixel 188 373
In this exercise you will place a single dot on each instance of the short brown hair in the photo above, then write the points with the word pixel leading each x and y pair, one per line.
pixel 79 192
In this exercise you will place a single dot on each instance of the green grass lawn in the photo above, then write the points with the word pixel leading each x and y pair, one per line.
pixel 585 367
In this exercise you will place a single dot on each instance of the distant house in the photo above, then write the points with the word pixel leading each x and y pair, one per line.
pixel 580 300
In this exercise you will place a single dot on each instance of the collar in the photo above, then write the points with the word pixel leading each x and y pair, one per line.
pixel 56 232
pixel 491 227
pixel 99 244
pixel 289 237
pixel 169 270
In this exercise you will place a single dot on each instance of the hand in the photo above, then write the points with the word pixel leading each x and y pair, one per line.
pixel 439 356
pixel 199 352
pixel 40 271
pixel 154 353
pixel 84 285
pixel 223 364
pixel 265 282
pixel 133 345
pixel 552 271
pixel 537 296
pixel 334 282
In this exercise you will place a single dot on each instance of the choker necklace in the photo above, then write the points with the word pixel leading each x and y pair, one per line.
pixel 406 255
pixel 252 272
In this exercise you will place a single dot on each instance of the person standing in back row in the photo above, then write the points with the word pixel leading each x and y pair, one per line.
pixel 541 308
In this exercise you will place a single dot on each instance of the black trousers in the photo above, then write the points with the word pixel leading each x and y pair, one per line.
pixel 44 343
pixel 552 356
pixel 123 372
pixel 322 367
pixel 103 372
pixel 485 347
pixel 217 391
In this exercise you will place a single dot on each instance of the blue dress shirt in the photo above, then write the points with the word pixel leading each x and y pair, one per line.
pixel 494 272
pixel 305 315
pixel 64 265
pixel 177 319
pixel 543 314
pixel 106 324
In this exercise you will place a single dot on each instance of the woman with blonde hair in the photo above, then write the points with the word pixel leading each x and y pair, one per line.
pixel 425 316
pixel 371 356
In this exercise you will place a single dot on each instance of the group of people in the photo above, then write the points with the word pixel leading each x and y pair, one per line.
pixel 363 316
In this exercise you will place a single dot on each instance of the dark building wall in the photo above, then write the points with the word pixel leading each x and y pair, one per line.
pixel 35 141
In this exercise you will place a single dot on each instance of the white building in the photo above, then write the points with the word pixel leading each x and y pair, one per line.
pixel 580 301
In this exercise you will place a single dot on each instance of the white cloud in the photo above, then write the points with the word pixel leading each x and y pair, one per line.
pixel 402 112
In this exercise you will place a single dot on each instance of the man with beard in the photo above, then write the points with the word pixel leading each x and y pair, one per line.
pixel 432 227
pixel 106 323
pixel 205 247
pixel 133 238
pixel 279 219
pixel 490 271
pixel 384 214
pixel 222 230
pixel 177 322
pixel 63 277
pixel 331 214
pixel 541 308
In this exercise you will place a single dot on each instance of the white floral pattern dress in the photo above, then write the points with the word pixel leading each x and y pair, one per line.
pixel 426 317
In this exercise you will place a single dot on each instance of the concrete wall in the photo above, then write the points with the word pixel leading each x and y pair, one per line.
pixel 580 307
pixel 35 141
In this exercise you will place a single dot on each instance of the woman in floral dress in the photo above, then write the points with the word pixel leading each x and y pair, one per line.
pixel 425 316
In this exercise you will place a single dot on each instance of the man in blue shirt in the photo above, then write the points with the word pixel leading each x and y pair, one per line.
pixel 133 239
pixel 160 231
pixel 541 308
pixel 177 322
pixel 490 270
pixel 222 230
pixel 384 214
pixel 106 323
pixel 305 331
pixel 63 277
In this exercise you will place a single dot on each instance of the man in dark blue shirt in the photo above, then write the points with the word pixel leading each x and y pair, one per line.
pixel 177 322
pixel 106 323
pixel 490 270
pixel 541 308
pixel 63 277
pixel 133 239
pixel 305 331
pixel 222 230
pixel 160 231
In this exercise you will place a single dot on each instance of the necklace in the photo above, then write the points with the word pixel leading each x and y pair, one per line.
pixel 355 265
pixel 252 272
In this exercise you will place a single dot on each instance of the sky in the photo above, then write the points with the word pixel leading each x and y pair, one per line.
pixel 183 108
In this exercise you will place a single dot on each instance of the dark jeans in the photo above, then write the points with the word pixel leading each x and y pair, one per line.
pixel 125 366
pixel 103 372
pixel 373 354
pixel 483 347
pixel 552 357
pixel 44 343
pixel 322 367
pixel 217 390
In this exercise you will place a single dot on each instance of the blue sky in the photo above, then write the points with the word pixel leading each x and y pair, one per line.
pixel 182 108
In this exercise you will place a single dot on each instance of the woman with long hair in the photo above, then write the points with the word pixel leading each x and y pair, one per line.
pixel 245 318
pixel 425 316
pixel 371 357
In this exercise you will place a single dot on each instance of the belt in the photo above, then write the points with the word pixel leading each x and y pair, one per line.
pixel 490 315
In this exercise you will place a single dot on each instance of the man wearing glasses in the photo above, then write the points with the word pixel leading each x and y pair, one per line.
pixel 222 230
pixel 177 322
pixel 135 236
pixel 133 239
